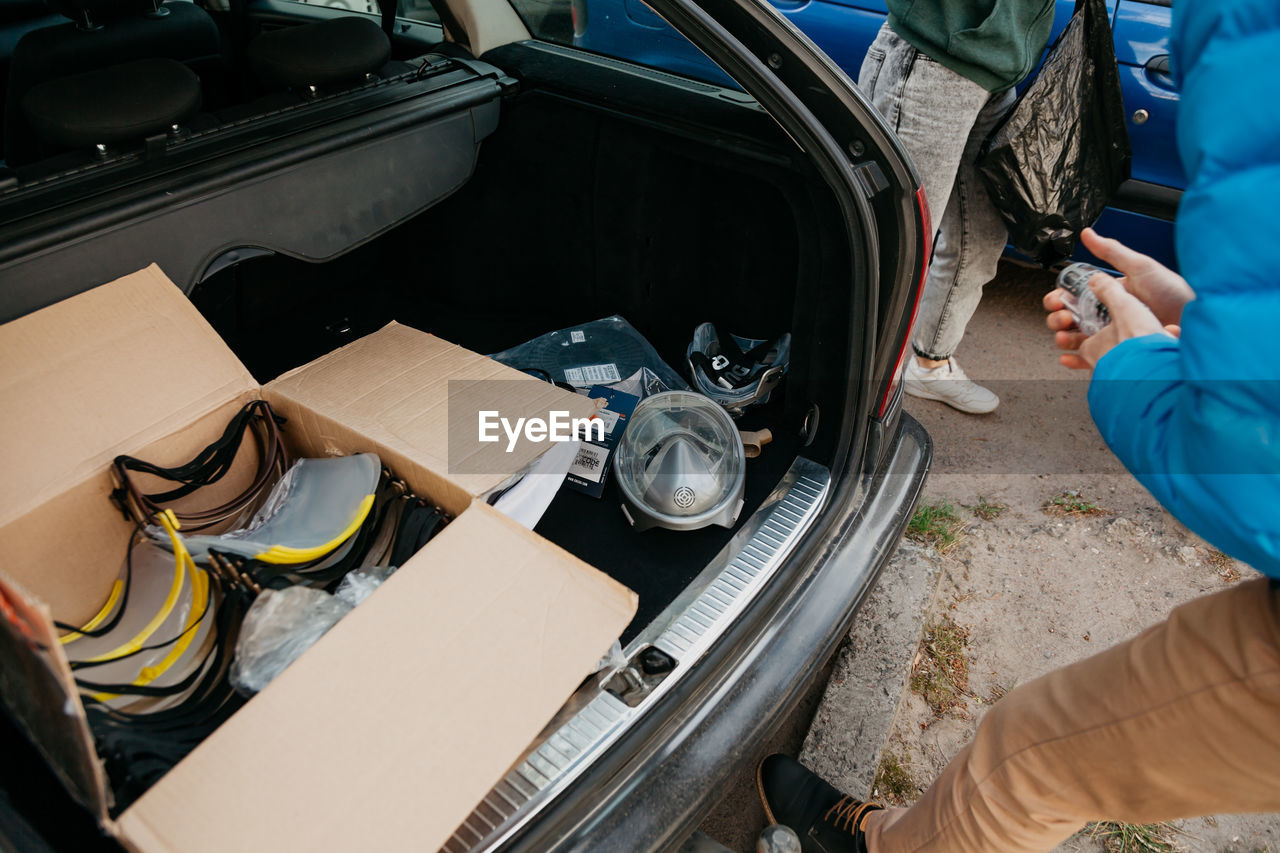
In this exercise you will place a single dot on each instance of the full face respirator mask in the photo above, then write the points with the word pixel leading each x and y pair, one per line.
pixel 680 464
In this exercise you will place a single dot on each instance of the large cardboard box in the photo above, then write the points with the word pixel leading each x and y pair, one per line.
pixel 385 733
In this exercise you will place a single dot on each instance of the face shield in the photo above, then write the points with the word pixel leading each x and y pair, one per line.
pixel 154 631
pixel 316 507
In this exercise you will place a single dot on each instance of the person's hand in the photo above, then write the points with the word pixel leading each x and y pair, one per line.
pixel 1158 287
pixel 1161 289
pixel 1130 318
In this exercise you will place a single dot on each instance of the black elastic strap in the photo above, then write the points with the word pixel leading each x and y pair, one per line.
pixel 422 521
pixel 742 366
pixel 138 749
pixel 415 517
pixel 729 349
pixel 208 466
pixel 429 529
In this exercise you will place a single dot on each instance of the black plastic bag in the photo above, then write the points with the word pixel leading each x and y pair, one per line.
pixel 1061 153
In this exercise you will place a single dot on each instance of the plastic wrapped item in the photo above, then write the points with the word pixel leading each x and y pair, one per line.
pixel 607 352
pixel 279 627
pixel 613 659
pixel 734 371
pixel 1091 316
pixel 315 508
pixel 360 584
pixel 1062 152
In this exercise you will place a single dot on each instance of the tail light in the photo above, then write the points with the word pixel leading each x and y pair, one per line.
pixel 926 251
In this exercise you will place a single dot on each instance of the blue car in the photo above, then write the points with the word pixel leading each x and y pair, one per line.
pixel 1142 213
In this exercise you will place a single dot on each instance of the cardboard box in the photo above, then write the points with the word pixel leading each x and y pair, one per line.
pixel 386 733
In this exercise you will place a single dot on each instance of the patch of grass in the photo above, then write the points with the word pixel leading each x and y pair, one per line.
pixel 986 510
pixel 941 672
pixel 893 782
pixel 1071 503
pixel 1224 566
pixel 937 525
pixel 1132 838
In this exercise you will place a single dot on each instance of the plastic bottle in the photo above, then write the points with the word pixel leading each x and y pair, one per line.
pixel 1091 315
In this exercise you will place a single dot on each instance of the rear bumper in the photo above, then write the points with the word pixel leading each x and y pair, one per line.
pixel 657 784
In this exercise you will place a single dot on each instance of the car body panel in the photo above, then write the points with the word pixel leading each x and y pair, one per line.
pixel 1148 234
pixel 1141 38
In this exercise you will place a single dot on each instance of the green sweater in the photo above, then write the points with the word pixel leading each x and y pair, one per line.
pixel 995 43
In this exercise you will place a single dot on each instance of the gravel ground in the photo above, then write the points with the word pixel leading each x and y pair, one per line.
pixel 1034 590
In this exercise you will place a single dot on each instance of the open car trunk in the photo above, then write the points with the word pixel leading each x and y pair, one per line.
pixel 600 189
pixel 577 212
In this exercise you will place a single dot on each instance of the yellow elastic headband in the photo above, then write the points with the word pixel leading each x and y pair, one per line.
pixel 169 522
pixel 199 606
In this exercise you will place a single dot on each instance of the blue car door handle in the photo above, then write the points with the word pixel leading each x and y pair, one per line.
pixel 1158 71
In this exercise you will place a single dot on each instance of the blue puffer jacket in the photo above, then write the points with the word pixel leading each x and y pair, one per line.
pixel 1198 420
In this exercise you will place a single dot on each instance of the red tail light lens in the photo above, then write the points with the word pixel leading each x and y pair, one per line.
pixel 926 251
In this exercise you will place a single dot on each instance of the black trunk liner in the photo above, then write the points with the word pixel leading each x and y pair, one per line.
pixel 658 564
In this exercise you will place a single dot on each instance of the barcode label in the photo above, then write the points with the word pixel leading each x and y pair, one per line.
pixel 589 463
pixel 591 374
pixel 610 419
pixel 577 337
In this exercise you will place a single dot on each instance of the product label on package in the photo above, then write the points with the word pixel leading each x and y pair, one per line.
pixel 590 470
pixel 591 374
pixel 610 419
pixel 589 465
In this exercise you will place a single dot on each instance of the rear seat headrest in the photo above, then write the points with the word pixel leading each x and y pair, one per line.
pixel 115 104
pixel 97 12
pixel 317 53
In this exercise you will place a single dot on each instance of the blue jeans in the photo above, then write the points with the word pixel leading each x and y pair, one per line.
pixel 942 119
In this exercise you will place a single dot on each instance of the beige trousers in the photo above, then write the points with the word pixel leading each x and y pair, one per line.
pixel 1182 720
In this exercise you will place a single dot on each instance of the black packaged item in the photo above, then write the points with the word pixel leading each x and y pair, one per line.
pixel 608 352
pixel 1055 161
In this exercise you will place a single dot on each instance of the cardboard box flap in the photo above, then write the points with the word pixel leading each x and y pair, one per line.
pixel 420 395
pixel 102 374
pixel 40 694
pixel 389 730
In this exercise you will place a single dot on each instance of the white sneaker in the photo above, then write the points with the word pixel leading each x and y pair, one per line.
pixel 949 384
